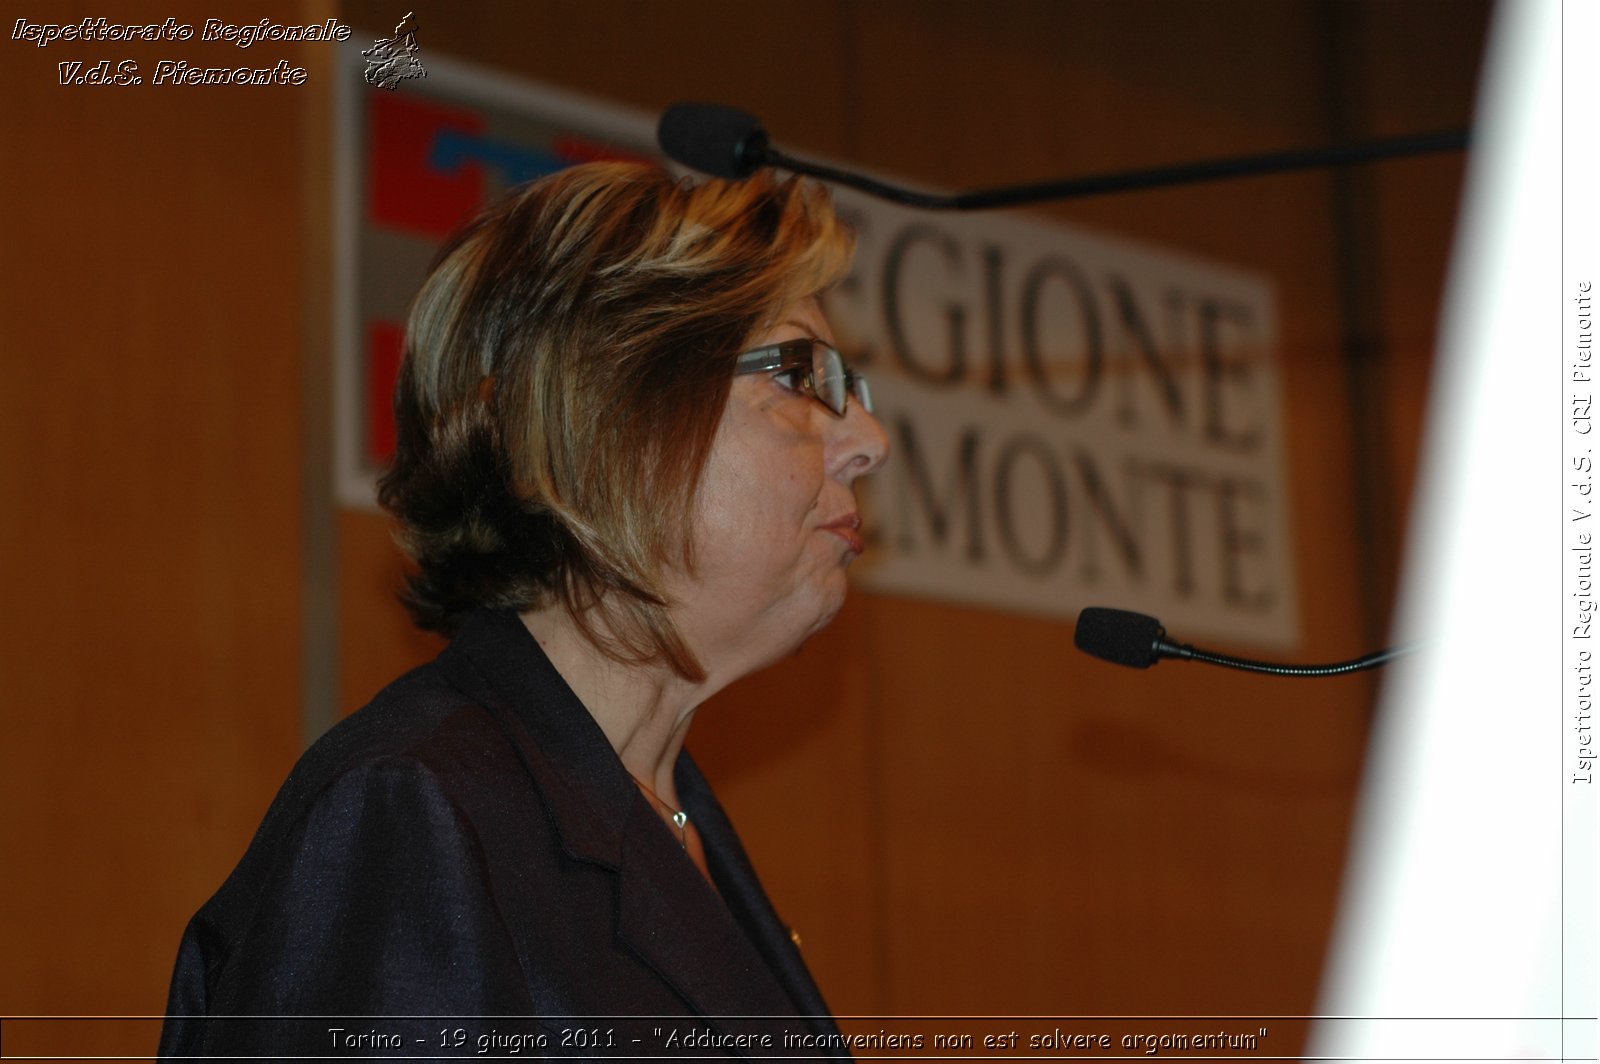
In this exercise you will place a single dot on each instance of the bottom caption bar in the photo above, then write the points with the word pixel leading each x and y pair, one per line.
pixel 788 1038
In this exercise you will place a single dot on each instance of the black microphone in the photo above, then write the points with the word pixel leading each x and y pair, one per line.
pixel 730 143
pixel 716 140
pixel 1138 641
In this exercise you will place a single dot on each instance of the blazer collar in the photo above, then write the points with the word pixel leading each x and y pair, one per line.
pixel 728 957
pixel 495 660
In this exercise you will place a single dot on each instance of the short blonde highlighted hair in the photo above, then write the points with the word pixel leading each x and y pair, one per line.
pixel 567 363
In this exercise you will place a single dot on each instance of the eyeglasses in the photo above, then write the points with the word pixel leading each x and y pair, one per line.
pixel 820 370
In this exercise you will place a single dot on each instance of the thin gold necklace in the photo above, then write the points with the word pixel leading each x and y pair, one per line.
pixel 679 817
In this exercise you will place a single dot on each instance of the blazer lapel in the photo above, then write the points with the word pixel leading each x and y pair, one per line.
pixel 666 912
pixel 752 909
pixel 670 916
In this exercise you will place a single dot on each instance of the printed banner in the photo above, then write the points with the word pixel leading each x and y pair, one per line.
pixel 1076 421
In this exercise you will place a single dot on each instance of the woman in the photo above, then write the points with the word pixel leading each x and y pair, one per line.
pixel 625 468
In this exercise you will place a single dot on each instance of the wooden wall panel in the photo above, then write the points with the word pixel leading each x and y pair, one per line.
pixel 958 812
pixel 377 641
pixel 1416 204
pixel 150 289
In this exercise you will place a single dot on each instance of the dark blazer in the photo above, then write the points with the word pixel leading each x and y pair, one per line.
pixel 469 845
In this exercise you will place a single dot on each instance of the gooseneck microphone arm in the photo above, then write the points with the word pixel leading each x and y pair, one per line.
pixel 1368 661
pixel 1134 180
pixel 1138 641
pixel 730 143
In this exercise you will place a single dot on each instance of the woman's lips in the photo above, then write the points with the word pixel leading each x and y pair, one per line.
pixel 848 528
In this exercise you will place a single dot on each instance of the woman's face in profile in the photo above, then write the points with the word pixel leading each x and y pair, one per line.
pixel 776 519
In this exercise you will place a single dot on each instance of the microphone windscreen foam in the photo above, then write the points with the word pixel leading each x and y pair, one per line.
pixel 716 140
pixel 1118 636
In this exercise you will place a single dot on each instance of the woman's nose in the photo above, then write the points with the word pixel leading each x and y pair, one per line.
pixel 860 445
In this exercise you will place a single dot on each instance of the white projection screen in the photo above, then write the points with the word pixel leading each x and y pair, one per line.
pixel 1467 929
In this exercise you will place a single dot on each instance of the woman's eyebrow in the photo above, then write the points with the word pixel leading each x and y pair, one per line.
pixel 803 327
